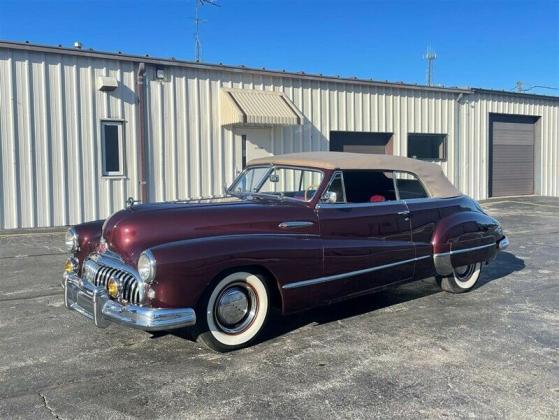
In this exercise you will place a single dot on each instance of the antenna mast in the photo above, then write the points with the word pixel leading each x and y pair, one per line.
pixel 430 56
pixel 197 22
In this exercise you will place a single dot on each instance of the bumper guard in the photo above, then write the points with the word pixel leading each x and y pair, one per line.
pixel 94 303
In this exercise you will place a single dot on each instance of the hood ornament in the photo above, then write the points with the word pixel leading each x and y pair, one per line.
pixel 103 246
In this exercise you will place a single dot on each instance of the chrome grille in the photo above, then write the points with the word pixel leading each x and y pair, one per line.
pixel 97 272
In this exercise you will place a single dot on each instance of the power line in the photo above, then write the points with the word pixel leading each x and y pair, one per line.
pixel 541 87
pixel 520 87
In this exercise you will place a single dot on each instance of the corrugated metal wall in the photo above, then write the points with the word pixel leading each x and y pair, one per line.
pixel 473 154
pixel 50 113
pixel 194 156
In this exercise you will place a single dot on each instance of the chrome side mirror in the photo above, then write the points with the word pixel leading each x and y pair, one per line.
pixel 329 197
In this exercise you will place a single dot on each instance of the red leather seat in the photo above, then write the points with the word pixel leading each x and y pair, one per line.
pixel 377 198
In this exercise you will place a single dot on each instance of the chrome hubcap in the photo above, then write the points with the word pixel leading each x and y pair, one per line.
pixel 235 308
pixel 464 273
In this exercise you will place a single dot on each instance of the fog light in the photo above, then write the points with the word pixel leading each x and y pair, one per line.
pixel 71 265
pixel 112 288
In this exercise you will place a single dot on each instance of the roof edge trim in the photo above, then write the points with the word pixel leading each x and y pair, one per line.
pixel 222 67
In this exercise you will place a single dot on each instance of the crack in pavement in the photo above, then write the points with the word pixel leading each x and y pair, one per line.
pixel 48 407
pixel 32 296
pixel 32 255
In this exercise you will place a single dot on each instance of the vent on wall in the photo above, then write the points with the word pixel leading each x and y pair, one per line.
pixel 106 84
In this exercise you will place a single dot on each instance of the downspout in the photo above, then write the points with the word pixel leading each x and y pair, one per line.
pixel 458 145
pixel 141 121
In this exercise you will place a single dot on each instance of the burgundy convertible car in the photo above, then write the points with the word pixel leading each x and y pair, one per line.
pixel 294 231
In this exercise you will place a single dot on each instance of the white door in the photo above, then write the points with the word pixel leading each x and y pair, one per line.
pixel 256 143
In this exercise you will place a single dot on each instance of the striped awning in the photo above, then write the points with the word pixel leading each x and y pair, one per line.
pixel 256 107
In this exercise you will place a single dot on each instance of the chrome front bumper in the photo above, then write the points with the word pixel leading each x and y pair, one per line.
pixel 94 303
pixel 503 243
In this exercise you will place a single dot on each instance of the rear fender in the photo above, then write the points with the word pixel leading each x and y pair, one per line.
pixel 463 238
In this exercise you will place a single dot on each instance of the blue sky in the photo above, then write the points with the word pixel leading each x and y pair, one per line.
pixel 489 43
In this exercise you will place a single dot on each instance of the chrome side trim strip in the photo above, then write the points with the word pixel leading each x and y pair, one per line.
pixel 245 235
pixel 359 205
pixel 295 224
pixel 334 277
pixel 461 251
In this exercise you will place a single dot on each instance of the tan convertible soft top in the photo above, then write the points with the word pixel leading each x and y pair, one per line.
pixel 430 174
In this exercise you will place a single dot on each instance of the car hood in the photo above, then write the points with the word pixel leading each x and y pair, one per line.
pixel 130 231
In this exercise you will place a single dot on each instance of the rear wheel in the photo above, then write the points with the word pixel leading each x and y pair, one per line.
pixel 234 312
pixel 463 278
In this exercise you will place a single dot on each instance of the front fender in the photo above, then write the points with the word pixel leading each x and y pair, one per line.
pixel 186 268
pixel 89 234
pixel 464 238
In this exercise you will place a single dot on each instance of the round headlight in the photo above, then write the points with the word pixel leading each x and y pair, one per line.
pixel 71 240
pixel 146 266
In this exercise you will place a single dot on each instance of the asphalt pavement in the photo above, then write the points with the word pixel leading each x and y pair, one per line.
pixel 409 352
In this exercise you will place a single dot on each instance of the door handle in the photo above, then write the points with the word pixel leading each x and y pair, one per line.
pixel 295 224
pixel 405 213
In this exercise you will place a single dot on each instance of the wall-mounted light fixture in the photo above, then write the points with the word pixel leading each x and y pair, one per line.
pixel 160 73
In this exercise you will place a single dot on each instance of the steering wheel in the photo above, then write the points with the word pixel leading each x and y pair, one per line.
pixel 309 188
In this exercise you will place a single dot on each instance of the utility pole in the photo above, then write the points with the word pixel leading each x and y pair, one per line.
pixel 197 22
pixel 430 56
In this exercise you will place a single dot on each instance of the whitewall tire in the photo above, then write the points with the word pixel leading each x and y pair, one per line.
pixel 234 311
pixel 462 279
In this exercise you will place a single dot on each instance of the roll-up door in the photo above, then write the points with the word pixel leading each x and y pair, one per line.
pixel 512 161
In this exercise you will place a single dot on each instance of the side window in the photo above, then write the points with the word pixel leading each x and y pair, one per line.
pixel 335 192
pixel 112 144
pixel 409 186
pixel 369 186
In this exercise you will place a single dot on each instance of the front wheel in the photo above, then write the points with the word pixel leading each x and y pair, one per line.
pixel 462 279
pixel 234 312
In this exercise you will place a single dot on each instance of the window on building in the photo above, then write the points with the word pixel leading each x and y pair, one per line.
pixel 427 146
pixel 113 148
pixel 369 186
pixel 409 186
pixel 361 142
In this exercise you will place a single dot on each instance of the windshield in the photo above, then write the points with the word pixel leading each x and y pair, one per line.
pixel 296 183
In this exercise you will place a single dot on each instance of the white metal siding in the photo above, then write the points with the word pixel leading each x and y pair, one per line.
pixel 184 123
pixel 473 176
pixel 50 113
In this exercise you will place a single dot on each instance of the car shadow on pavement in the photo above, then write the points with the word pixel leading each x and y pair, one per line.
pixel 505 264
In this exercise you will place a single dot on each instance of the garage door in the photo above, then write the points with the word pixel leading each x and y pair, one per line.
pixel 513 139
